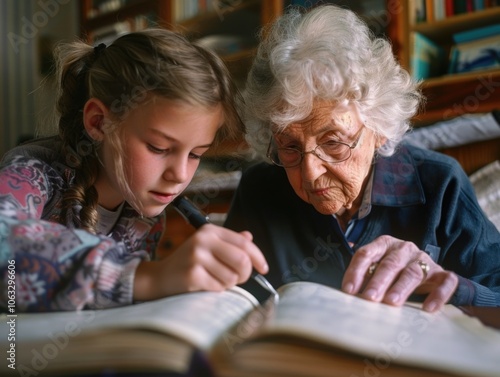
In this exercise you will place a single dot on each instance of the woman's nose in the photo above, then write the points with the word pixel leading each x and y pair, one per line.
pixel 312 166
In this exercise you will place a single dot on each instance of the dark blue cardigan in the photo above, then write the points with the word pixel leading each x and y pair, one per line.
pixel 418 195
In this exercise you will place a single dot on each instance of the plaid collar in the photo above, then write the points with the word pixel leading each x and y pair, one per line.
pixel 396 181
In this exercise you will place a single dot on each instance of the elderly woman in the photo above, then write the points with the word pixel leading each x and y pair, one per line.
pixel 341 202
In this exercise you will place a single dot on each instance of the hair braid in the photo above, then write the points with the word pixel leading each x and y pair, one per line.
pixel 80 199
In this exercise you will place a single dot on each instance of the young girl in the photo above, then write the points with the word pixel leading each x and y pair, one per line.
pixel 81 212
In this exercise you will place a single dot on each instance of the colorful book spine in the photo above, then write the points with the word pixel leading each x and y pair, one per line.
pixel 429 10
pixel 418 11
pixel 477 55
pixel 449 8
pixel 427 57
pixel 439 10
pixel 478 4
pixel 460 6
pixel 477 33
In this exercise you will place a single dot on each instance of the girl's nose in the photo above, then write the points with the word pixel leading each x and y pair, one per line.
pixel 177 169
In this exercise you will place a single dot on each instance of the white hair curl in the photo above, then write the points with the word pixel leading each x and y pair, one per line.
pixel 328 53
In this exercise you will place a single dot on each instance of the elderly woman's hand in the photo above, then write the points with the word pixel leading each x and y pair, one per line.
pixel 389 270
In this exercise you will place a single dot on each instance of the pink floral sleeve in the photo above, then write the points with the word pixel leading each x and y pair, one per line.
pixel 58 267
pixel 24 189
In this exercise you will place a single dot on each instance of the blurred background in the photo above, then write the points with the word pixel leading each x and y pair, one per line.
pixel 30 28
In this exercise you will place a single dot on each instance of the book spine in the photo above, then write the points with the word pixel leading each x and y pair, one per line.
pixel 429 10
pixel 421 15
pixel 426 57
pixel 416 11
pixel 477 33
pixel 460 6
pixel 439 10
pixel 452 65
pixel 481 54
pixel 478 5
pixel 450 11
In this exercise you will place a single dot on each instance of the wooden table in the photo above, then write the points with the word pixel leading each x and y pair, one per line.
pixel 490 316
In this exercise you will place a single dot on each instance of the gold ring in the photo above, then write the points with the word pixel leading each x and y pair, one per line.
pixel 372 268
pixel 424 267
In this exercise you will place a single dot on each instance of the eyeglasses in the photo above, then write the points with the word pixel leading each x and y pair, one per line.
pixel 332 152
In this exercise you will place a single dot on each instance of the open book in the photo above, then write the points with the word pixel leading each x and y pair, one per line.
pixel 312 331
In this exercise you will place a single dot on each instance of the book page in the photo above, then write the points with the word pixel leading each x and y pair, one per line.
pixel 405 334
pixel 199 318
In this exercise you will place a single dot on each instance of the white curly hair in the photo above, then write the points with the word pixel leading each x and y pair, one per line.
pixel 327 53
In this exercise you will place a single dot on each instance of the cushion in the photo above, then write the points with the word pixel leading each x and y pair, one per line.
pixel 462 130
pixel 486 182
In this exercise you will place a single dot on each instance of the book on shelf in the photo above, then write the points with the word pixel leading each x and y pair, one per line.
pixel 427 57
pixel 429 11
pixel 107 34
pixel 418 13
pixel 476 55
pixel 479 5
pixel 436 10
pixel 476 33
pixel 185 9
pixel 439 10
pixel 449 8
pixel 463 6
pixel 313 330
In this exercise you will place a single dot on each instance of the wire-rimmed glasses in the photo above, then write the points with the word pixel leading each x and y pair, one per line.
pixel 331 152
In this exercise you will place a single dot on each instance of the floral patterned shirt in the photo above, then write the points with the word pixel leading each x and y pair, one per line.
pixel 55 265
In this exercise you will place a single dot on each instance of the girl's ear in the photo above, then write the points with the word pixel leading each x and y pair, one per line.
pixel 94 113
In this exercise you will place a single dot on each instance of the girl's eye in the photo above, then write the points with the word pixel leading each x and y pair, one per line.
pixel 156 150
pixel 194 156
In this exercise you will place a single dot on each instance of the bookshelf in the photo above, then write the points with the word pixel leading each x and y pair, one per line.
pixel 228 27
pixel 450 94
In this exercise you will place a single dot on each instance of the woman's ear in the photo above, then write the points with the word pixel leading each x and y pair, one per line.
pixel 94 113
pixel 379 141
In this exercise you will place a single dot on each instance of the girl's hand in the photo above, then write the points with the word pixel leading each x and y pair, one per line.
pixel 212 259
pixel 389 270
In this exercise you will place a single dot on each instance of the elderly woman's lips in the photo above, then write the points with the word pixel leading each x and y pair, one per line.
pixel 319 192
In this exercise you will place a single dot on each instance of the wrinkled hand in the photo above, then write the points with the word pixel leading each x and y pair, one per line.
pixel 397 274
pixel 212 259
